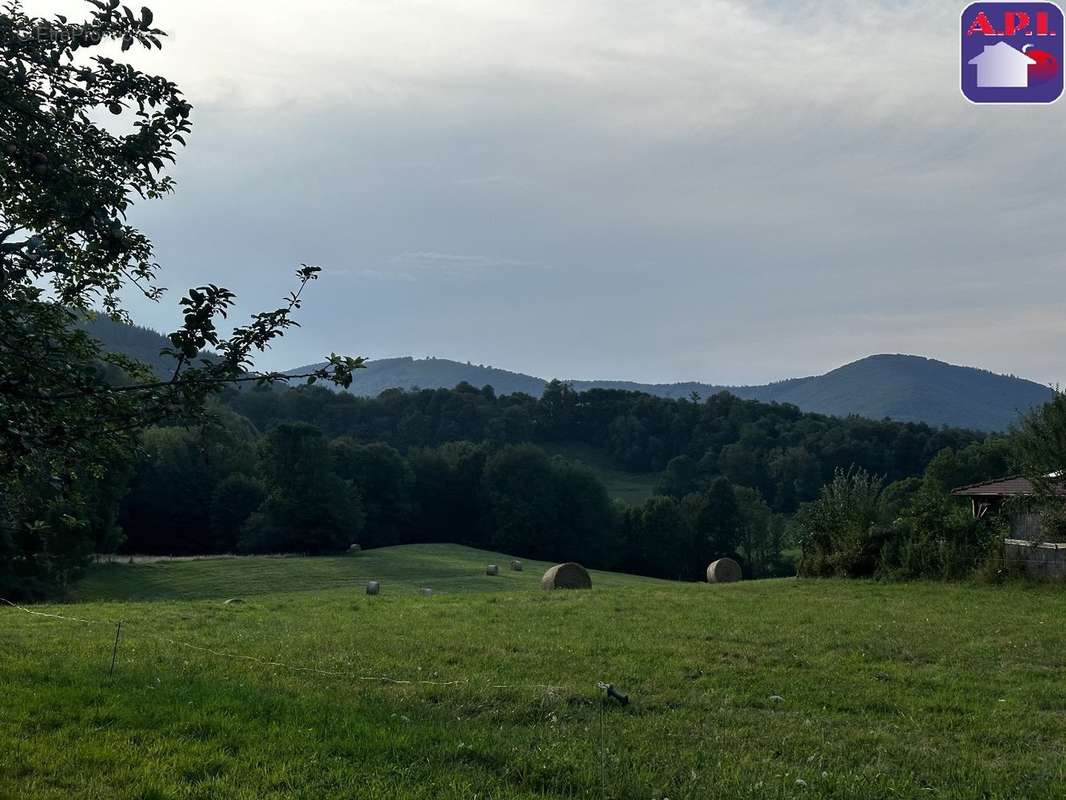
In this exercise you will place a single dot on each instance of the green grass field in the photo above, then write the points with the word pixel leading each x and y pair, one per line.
pixel 311 689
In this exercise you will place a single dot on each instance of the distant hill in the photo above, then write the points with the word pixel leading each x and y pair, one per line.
pixel 143 344
pixel 900 387
pixel 437 373
pixel 910 389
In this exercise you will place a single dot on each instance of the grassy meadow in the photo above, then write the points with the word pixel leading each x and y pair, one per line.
pixel 308 688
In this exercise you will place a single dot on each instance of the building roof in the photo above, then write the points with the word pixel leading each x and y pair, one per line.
pixel 1012 486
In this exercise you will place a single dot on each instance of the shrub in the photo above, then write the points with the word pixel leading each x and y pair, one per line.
pixel 841 532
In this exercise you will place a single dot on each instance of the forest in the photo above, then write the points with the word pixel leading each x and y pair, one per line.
pixel 308 470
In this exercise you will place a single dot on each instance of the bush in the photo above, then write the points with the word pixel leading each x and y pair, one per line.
pixel 841 533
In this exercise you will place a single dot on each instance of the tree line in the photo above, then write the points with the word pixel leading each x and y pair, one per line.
pixel 783 453
pixel 463 466
pixel 226 488
pixel 226 485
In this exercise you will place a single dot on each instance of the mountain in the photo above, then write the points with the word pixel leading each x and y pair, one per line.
pixel 143 344
pixel 910 389
pixel 437 373
pixel 900 387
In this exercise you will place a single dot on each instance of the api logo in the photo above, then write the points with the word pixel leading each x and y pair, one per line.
pixel 1012 52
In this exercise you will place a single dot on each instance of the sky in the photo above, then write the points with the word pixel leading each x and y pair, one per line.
pixel 723 191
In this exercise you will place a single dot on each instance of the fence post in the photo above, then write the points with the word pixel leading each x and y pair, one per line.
pixel 114 650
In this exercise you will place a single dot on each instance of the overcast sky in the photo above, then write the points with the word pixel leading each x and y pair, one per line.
pixel 724 191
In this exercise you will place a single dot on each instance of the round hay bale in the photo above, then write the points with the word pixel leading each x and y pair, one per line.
pixel 516 566
pixel 355 549
pixel 566 576
pixel 492 569
pixel 427 592
pixel 724 570
pixel 373 587
pixel 233 601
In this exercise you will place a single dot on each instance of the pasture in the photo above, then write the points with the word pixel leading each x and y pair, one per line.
pixel 310 689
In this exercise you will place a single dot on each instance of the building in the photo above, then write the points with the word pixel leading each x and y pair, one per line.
pixel 988 497
pixel 1026 545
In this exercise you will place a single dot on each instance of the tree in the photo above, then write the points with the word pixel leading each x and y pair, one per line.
pixel 309 508
pixel 679 477
pixel 740 463
pixel 758 536
pixel 666 539
pixel 522 497
pixel 718 522
pixel 448 494
pixel 584 514
pixel 1039 445
pixel 168 507
pixel 385 484
pixel 840 531
pixel 67 183
pixel 797 476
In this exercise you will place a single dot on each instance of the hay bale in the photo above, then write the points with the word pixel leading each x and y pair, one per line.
pixel 492 569
pixel 373 587
pixel 724 570
pixel 427 592
pixel 233 601
pixel 566 576
pixel 355 549
pixel 516 566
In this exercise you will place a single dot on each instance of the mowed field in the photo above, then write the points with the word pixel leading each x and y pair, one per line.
pixel 311 689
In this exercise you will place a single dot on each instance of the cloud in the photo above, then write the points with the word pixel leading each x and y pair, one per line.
pixel 709 189
pixel 378 275
pixel 454 264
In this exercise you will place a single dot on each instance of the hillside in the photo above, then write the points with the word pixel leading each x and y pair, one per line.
pixel 777 689
pixel 910 389
pixel 438 373
pixel 900 387
pixel 143 344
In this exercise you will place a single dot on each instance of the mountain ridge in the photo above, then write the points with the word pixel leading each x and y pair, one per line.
pixel 903 387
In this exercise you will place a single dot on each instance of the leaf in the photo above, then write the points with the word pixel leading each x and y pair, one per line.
pixel 146 16
pixel 127 42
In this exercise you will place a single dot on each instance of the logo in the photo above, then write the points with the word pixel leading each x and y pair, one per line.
pixel 1012 52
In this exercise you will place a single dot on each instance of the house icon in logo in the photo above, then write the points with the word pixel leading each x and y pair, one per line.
pixel 1001 66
